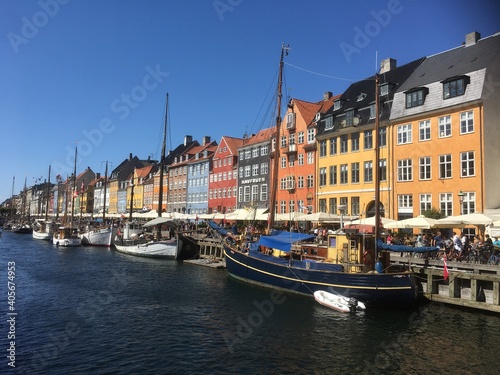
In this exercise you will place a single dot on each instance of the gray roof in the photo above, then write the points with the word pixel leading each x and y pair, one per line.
pixel 454 62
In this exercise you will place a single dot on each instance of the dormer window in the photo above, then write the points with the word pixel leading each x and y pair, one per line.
pixel 455 86
pixel 361 96
pixel 337 104
pixel 416 97
pixel 329 123
pixel 349 118
pixel 385 88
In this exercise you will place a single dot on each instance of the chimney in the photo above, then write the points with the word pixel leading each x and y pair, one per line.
pixel 387 65
pixel 206 140
pixel 472 38
pixel 327 95
pixel 130 157
pixel 188 139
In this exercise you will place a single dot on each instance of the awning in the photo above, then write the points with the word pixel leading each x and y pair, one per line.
pixel 283 240
pixel 157 221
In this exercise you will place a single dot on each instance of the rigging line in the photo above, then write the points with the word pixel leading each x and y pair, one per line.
pixel 319 74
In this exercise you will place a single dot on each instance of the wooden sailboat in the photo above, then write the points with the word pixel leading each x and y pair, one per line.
pixel 279 260
pixel 157 248
pixel 67 236
pixel 99 234
pixel 45 229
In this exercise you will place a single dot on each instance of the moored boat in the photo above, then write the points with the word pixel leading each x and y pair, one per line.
pixel 187 247
pixel 66 237
pixel 338 302
pixel 43 231
pixel 98 237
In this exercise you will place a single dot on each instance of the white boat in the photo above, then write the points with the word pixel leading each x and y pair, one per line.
pixel 43 231
pixel 158 247
pixel 338 302
pixel 151 249
pixel 67 237
pixel 98 237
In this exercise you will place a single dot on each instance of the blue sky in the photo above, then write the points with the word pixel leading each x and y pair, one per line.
pixel 96 72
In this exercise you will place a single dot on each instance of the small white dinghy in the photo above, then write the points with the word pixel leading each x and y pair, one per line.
pixel 338 302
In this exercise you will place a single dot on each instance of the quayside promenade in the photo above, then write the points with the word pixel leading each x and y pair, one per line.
pixel 470 285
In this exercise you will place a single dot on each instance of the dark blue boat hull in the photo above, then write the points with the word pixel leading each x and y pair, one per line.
pixel 388 290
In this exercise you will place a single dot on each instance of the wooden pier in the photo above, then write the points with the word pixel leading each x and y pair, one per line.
pixel 464 286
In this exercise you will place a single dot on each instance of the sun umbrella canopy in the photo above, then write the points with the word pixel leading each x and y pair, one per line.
pixel 371 221
pixel 462 220
pixel 157 221
pixel 420 222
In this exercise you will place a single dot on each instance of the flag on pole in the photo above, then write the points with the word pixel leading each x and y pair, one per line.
pixel 445 272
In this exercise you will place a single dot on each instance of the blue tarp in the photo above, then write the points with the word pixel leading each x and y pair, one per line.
pixel 283 240
pixel 405 249
pixel 219 229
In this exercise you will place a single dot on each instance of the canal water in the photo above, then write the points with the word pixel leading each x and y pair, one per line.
pixel 95 311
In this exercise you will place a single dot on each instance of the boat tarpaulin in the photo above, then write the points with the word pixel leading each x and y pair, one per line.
pixel 405 249
pixel 283 240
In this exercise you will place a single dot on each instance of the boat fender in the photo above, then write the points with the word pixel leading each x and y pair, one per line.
pixel 379 267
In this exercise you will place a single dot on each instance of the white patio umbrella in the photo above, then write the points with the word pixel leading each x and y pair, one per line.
pixel 370 221
pixel 420 222
pixel 319 216
pixel 462 220
pixel 291 216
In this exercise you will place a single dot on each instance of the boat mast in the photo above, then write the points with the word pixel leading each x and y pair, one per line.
pixel 105 183
pixel 377 167
pixel 162 161
pixel 274 181
pixel 47 197
pixel 131 196
pixel 74 190
pixel 12 200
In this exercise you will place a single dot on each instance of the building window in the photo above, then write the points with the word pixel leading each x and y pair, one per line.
pixel 337 104
pixel 322 148
pixel 310 158
pixel 248 154
pixel 329 123
pixel 355 206
pixel 383 170
pixel 446 203
pixel 405 203
pixel 333 146
pixel 255 170
pixel 445 166
pixel 469 203
pixel 415 98
pixel 263 193
pixel 255 193
pixel 404 134
pixel 354 173
pixel 349 118
pixel 283 162
pixel 311 135
pixel 333 175
pixel 454 87
pixel 355 141
pixel 248 170
pixel 322 176
pixel 368 139
pixel 424 167
pixel 264 168
pixel 333 205
pixel 382 138
pixel 467 164
pixel 300 138
pixel 444 126
pixel 322 205
pixel 343 144
pixel 424 130
pixel 466 122
pixel 283 207
pixel 368 171
pixel 310 181
pixel 291 206
pixel 372 111
pixel 300 182
pixel 425 203
pixel 283 141
pixel 405 170
pixel 300 159
pixel 246 193
pixel 291 139
pixel 343 174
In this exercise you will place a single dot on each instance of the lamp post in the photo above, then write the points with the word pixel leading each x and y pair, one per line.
pixel 461 200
